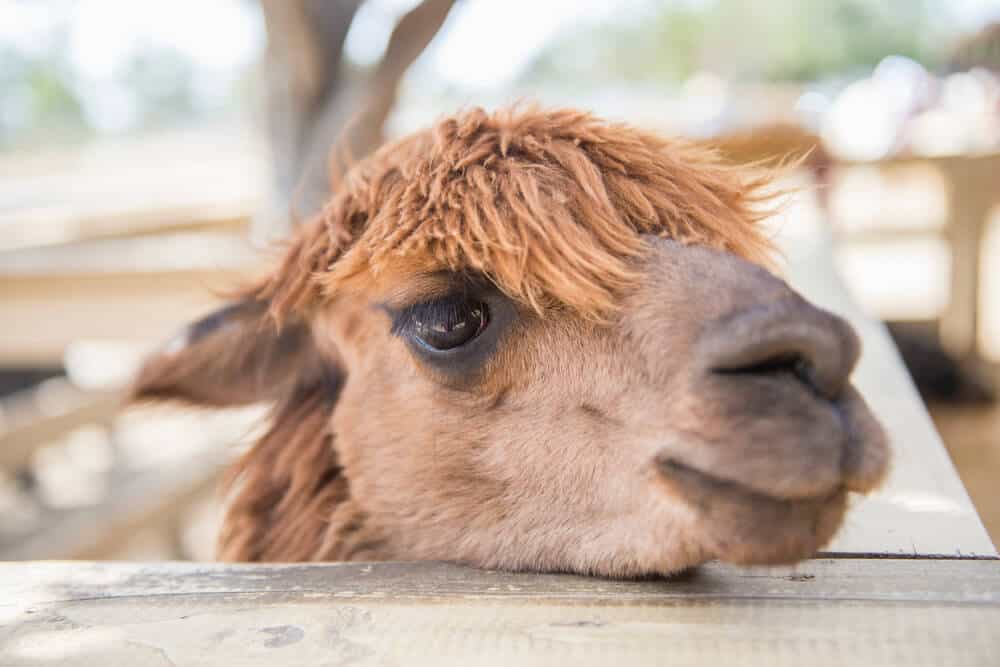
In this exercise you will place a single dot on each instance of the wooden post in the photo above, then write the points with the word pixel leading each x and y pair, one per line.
pixel 974 188
pixel 314 105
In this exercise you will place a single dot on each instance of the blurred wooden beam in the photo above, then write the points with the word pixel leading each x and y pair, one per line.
pixel 314 105
pixel 30 421
pixel 973 184
pixel 148 499
pixel 32 228
pixel 305 42
pixel 44 313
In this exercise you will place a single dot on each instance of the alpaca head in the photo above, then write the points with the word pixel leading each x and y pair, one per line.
pixel 533 340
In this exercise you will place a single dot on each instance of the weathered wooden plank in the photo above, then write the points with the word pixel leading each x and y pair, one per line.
pixel 885 612
pixel 706 633
pixel 874 579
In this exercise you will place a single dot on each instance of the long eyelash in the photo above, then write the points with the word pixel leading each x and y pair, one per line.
pixel 448 310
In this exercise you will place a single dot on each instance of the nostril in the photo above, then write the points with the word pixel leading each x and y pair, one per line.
pixel 780 363
pixel 793 339
pixel 789 364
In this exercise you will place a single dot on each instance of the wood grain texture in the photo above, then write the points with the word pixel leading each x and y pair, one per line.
pixel 826 612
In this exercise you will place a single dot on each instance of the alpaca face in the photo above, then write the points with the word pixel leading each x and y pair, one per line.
pixel 713 419
pixel 510 343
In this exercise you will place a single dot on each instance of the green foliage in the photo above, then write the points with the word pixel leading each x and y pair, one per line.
pixel 45 100
pixel 814 39
pixel 772 40
pixel 38 97
pixel 160 80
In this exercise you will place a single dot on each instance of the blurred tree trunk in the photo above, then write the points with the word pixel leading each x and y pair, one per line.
pixel 320 118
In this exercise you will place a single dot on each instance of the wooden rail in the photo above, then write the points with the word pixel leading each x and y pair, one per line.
pixel 28 424
pixel 822 612
pixel 136 500
pixel 136 291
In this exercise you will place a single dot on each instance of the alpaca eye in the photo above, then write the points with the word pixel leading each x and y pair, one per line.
pixel 450 325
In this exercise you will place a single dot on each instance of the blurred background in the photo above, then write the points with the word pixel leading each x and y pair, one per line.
pixel 150 151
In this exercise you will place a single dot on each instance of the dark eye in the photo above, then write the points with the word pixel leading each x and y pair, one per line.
pixel 446 325
pixel 455 335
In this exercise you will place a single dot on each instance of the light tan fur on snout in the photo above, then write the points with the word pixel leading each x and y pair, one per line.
pixel 612 427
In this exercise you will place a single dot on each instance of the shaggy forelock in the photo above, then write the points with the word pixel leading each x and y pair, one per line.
pixel 549 205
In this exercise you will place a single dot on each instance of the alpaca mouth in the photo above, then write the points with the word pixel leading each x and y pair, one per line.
pixel 744 526
pixel 702 489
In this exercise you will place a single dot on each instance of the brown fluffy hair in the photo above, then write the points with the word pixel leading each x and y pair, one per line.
pixel 550 205
pixel 773 145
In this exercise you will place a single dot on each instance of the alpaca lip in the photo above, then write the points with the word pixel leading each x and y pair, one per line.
pixel 701 488
pixel 743 526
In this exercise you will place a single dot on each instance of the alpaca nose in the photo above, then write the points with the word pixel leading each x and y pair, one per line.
pixel 817 347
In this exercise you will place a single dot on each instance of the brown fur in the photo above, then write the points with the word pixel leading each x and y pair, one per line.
pixel 618 424
pixel 550 206
pixel 778 145
pixel 770 145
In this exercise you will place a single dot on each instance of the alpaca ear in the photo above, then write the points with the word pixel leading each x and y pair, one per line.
pixel 235 356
